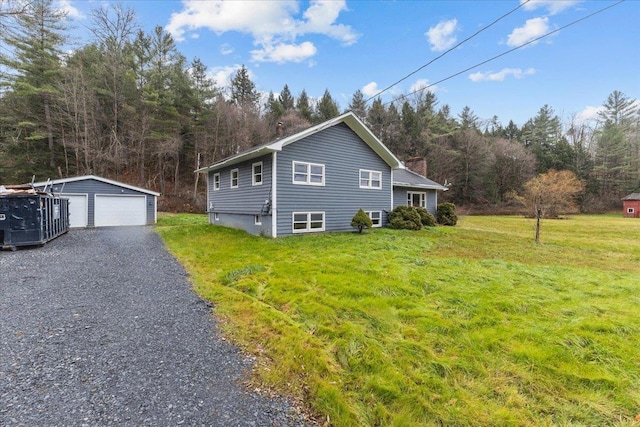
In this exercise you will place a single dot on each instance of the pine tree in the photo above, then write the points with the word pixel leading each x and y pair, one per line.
pixel 243 90
pixel 468 119
pixel 327 108
pixel 358 105
pixel 303 106
pixel 31 73
pixel 286 99
pixel 542 135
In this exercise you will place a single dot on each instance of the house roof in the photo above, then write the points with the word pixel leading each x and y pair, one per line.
pixel 349 118
pixel 632 196
pixel 407 178
pixel 97 178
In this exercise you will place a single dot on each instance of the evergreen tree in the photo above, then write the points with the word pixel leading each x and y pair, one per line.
pixel 274 109
pixel 327 108
pixel 377 119
pixel 31 73
pixel 243 90
pixel 358 105
pixel 286 99
pixel 542 135
pixel 303 106
pixel 511 132
pixel 468 119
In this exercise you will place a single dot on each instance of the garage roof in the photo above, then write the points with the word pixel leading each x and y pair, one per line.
pixel 97 178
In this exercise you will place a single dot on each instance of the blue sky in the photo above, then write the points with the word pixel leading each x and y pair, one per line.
pixel 344 46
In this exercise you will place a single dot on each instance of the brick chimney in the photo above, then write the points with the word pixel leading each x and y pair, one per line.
pixel 417 165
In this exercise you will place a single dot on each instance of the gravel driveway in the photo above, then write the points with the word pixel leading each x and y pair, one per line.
pixel 101 327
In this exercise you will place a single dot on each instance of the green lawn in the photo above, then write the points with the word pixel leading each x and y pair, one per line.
pixel 468 325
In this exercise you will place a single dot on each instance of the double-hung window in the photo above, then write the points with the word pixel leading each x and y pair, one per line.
pixel 376 218
pixel 256 175
pixel 308 173
pixel 216 181
pixel 307 222
pixel 370 179
pixel 417 199
pixel 234 178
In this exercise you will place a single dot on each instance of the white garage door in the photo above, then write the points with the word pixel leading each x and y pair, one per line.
pixel 120 210
pixel 77 209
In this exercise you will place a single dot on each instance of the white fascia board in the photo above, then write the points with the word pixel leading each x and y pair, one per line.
pixel 229 161
pixel 425 186
pixel 97 178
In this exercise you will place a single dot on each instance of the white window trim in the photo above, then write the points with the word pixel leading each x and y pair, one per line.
pixel 379 218
pixel 216 183
pixel 308 173
pixel 254 174
pixel 308 228
pixel 237 171
pixel 369 179
pixel 257 219
pixel 423 197
pixel 631 210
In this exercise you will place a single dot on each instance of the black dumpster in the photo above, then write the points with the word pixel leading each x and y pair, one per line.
pixel 32 219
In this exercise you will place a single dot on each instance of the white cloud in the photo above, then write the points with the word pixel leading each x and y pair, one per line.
pixel 68 8
pixel 588 114
pixel 501 75
pixel 553 7
pixel 274 25
pixel 422 84
pixel 370 89
pixel 226 49
pixel 442 36
pixel 222 75
pixel 533 28
pixel 282 53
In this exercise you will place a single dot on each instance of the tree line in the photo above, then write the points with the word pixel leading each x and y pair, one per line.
pixel 129 106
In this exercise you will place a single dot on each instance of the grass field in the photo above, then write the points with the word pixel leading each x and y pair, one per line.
pixel 468 325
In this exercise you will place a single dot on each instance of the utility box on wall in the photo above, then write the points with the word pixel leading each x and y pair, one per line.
pixel 31 219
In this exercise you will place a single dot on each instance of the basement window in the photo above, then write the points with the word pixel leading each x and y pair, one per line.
pixel 376 218
pixel 307 222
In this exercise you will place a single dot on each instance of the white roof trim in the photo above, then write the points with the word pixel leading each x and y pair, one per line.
pixel 434 186
pixel 426 186
pixel 97 178
pixel 348 118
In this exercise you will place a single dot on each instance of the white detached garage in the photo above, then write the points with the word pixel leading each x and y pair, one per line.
pixel 99 202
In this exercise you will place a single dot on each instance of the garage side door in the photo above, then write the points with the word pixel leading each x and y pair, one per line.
pixel 77 210
pixel 120 210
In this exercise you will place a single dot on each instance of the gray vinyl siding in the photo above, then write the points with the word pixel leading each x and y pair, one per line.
pixel 244 222
pixel 400 197
pixel 343 153
pixel 91 187
pixel 236 207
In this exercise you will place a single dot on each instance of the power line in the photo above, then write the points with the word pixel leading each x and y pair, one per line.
pixel 511 50
pixel 447 51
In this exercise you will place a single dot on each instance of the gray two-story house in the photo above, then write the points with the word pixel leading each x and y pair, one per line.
pixel 313 181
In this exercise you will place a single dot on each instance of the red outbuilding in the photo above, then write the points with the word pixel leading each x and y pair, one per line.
pixel 631 205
